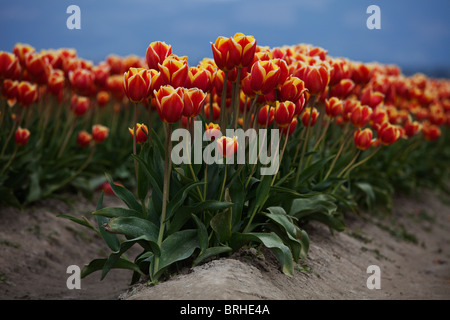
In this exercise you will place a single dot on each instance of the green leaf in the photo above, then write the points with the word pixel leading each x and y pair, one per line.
pixel 115 212
pixel 313 169
pixel 79 221
pixel 179 198
pixel 98 264
pixel 221 224
pixel 237 195
pixel 124 194
pixel 271 241
pixel 133 227
pixel 176 247
pixel 202 233
pixel 210 252
pixel 111 239
pixel 151 176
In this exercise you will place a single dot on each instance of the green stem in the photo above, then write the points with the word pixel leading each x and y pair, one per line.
pixel 223 183
pixel 167 170
pixel 359 163
pixel 236 101
pixel 343 144
pixel 10 160
pixel 223 100
pixel 134 139
pixel 67 138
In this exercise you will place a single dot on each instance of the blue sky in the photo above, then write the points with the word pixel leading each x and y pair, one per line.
pixel 414 34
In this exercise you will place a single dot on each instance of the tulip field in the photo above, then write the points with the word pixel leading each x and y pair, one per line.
pixel 164 134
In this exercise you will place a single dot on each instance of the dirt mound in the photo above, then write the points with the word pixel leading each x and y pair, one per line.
pixel 411 247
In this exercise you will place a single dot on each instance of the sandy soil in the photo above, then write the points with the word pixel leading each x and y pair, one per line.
pixel 411 246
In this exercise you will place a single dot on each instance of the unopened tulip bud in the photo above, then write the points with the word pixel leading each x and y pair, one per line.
pixel 141 133
pixel 99 133
pixel 21 136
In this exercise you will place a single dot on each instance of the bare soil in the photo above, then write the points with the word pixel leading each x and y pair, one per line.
pixel 411 246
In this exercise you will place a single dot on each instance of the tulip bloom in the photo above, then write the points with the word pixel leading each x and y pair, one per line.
pixel 79 105
pixel 20 50
pixel 264 77
pixel 216 111
pixel 388 133
pixel 227 146
pixel 371 98
pixel 307 114
pixel 316 77
pixel 212 130
pixel 193 101
pixel 136 84
pixel 99 133
pixel 342 89
pixel 174 71
pixel 169 103
pixel 340 71
pixel 221 54
pixel 411 128
pixel 56 81
pixel 360 116
pixel 199 77
pixel 141 133
pixel 26 93
pixel 284 113
pixel 292 89
pixel 21 136
pixel 156 53
pixel 431 132
pixel 242 50
pixel 378 117
pixel 289 129
pixel 82 80
pixel 84 138
pixel 103 98
pixel 333 107
pixel 266 116
pixel 363 138
pixel 10 89
pixel 8 64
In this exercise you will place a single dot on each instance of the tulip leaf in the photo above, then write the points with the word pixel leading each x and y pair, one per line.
pixel 124 194
pixel 210 252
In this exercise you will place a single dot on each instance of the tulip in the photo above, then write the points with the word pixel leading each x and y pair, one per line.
pixel 388 133
pixel 56 81
pixel 242 50
pixel 212 130
pixel 316 77
pixel 292 89
pixel 221 54
pixel 141 133
pixel 199 77
pixel 169 103
pixel 378 117
pixel 114 85
pixel 20 50
pixel 412 128
pixel 371 98
pixel 103 98
pixel 264 77
pixel 156 53
pixel 216 111
pixel 99 133
pixel 101 74
pixel 193 101
pixel 8 64
pixel 266 115
pixel 361 115
pixel 284 113
pixel 227 146
pixel 79 105
pixel 340 71
pixel 431 132
pixel 342 89
pixel 38 67
pixel 361 73
pixel 307 114
pixel 333 107
pixel 136 84
pixel 26 93
pixel 21 136
pixel 289 130
pixel 363 138
pixel 84 138
pixel 82 80
pixel 10 89
pixel 174 71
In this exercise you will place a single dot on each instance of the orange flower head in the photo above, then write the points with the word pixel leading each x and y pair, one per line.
pixel 412 128
pixel 136 84
pixel 316 77
pixel 371 98
pixel 26 93
pixel 378 117
pixel 284 113
pixel 288 130
pixel 216 111
pixel 199 77
pixel 174 71
pixel 193 101
pixel 84 138
pixel 242 50
pixel 79 105
pixel 21 136
pixel 342 89
pixel 310 113
pixel 99 133
pixel 221 53
pixel 141 133
pixel 169 103
pixel 20 50
pixel 212 130
pixel 8 64
pixel 82 80
pixel 388 133
pixel 292 89
pixel 156 53
pixel 363 138
pixel 227 146
pixel 431 132
pixel 10 89
pixel 56 81
pixel 264 77
pixel 266 116
pixel 361 115
pixel 334 107
pixel 103 98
